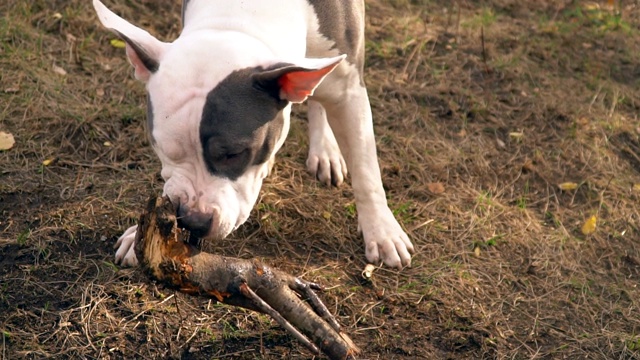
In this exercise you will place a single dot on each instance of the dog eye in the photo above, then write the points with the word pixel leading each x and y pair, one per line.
pixel 229 158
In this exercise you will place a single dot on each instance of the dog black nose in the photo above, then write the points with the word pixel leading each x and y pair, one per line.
pixel 198 223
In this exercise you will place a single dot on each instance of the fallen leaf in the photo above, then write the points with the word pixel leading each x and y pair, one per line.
pixel 528 165
pixel 566 186
pixel 6 140
pixel 476 251
pixel 591 6
pixel 636 187
pixel 589 226
pixel 107 143
pixel 47 162
pixel 58 70
pixel 117 43
pixel 326 215
pixel 583 121
pixel 516 135
pixel 368 271
pixel 435 188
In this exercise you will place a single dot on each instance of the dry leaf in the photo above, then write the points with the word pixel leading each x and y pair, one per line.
pixel 476 251
pixel 117 43
pixel 368 271
pixel 566 186
pixel 516 135
pixel 583 121
pixel 435 188
pixel 528 165
pixel 589 226
pixel 47 162
pixel 326 215
pixel 592 6
pixel 6 140
pixel 58 70
pixel 636 187
pixel 107 143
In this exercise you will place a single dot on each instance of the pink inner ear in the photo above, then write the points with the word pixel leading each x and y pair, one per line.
pixel 141 72
pixel 296 86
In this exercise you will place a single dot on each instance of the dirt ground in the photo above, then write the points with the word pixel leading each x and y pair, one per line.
pixel 503 128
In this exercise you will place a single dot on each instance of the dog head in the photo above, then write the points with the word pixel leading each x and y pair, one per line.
pixel 218 111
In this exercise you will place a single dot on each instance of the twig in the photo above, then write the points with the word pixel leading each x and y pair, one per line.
pixel 265 308
pixel 165 255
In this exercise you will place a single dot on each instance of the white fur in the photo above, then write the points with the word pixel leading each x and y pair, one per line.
pixel 325 160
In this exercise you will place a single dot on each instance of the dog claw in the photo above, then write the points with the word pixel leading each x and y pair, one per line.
pixel 125 254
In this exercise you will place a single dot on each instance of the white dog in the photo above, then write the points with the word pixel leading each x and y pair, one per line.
pixel 219 102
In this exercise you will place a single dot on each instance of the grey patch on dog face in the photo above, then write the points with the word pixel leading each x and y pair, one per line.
pixel 150 119
pixel 185 3
pixel 241 123
pixel 343 23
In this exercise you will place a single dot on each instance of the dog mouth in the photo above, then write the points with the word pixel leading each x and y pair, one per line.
pixel 196 236
pixel 196 224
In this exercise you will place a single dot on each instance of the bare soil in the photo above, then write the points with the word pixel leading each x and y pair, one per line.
pixel 482 109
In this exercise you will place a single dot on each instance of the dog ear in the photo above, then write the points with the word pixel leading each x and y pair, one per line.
pixel 295 82
pixel 143 50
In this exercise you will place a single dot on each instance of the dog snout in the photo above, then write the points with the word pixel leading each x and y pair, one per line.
pixel 197 222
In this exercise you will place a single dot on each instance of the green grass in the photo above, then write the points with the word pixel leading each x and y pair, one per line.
pixel 485 19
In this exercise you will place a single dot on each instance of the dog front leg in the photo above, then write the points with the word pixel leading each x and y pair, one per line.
pixel 349 114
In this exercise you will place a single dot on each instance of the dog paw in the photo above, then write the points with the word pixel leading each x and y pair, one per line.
pixel 385 240
pixel 328 169
pixel 125 253
pixel 326 163
pixel 325 160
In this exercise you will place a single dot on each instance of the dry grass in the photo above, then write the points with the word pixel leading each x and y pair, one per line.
pixel 498 101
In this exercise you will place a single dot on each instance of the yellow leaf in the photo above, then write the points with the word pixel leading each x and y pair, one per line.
pixel 47 162
pixel 117 43
pixel 476 251
pixel 516 135
pixel 326 215
pixel 58 70
pixel 592 6
pixel 636 187
pixel 568 186
pixel 6 141
pixel 589 226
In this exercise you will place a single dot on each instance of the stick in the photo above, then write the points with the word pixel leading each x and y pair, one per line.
pixel 165 255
